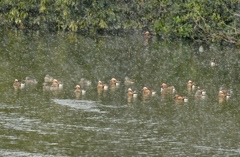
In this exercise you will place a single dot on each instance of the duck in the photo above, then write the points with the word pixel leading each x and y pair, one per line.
pixel 201 49
pixel 60 85
pixel 55 83
pixel 17 84
pixel 200 93
pixel 190 85
pixel 48 79
pixel 224 94
pixel 79 90
pixel 167 90
pixel 147 34
pixel 84 82
pixel 213 62
pixel 114 82
pixel 180 98
pixel 28 80
pixel 46 86
pixel 101 87
pixel 128 81
pixel 147 92
pixel 131 93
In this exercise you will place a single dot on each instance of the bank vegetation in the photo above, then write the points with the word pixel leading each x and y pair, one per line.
pixel 205 20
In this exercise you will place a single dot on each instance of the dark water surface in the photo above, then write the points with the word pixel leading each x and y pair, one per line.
pixel 34 122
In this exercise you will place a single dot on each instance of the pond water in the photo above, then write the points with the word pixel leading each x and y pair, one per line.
pixel 38 122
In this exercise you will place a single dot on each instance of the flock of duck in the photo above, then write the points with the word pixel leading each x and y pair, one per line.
pixel 51 84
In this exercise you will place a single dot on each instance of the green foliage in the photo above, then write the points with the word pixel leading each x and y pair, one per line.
pixel 200 19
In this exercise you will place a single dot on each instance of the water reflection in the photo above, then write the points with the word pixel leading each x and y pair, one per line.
pixel 107 118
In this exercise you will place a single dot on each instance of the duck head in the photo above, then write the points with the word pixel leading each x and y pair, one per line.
pixel 164 85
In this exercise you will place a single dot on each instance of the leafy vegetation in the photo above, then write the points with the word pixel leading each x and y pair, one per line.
pixel 199 19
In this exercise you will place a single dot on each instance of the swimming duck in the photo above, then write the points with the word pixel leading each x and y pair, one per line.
pixel 84 82
pixel 28 80
pixel 147 92
pixel 79 90
pixel 200 93
pixel 213 62
pixel 201 49
pixel 190 85
pixel 48 79
pixel 222 96
pixel 114 82
pixel 131 93
pixel 128 81
pixel 167 90
pixel 46 86
pixel 180 98
pixel 17 84
pixel 147 34
pixel 55 83
pixel 60 85
pixel 224 93
pixel 101 87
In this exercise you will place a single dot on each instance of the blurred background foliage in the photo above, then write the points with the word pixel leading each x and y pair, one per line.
pixel 205 20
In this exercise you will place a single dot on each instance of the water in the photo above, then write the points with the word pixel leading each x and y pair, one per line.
pixel 35 122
